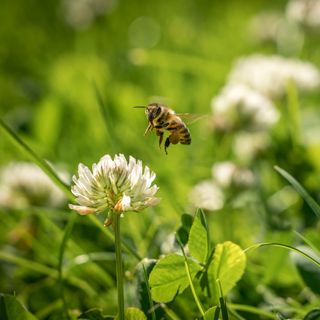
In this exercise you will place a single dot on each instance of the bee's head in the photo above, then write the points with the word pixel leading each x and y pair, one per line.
pixel 152 111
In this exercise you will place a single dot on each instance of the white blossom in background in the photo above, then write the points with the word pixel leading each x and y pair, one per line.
pixel 169 244
pixel 81 13
pixel 269 75
pixel 265 26
pixel 207 195
pixel 24 184
pixel 305 12
pixel 274 27
pixel 114 185
pixel 248 145
pixel 238 106
pixel 227 174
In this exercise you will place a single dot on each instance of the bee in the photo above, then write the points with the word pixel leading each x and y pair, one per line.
pixel 162 118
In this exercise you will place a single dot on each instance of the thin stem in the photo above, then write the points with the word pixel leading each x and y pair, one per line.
pixel 250 309
pixel 119 266
pixel 285 246
pixel 190 282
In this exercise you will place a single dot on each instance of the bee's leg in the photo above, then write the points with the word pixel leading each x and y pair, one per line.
pixel 160 134
pixel 149 128
pixel 166 144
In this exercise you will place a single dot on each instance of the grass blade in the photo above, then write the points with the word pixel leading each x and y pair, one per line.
pixel 298 187
pixel 105 118
pixel 153 315
pixel 63 246
pixel 284 246
pixel 38 160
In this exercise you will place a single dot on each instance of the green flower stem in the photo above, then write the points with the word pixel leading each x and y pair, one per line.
pixel 190 282
pixel 119 266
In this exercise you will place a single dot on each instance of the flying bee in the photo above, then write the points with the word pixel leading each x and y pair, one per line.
pixel 162 118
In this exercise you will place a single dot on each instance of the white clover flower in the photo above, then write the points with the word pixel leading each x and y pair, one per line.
pixel 265 26
pixel 306 12
pixel 227 174
pixel 269 75
pixel 240 106
pixel 81 13
pixel 207 195
pixel 272 26
pixel 24 184
pixel 247 145
pixel 114 185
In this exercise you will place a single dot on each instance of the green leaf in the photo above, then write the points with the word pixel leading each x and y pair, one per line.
pixel 168 278
pixel 198 239
pixel 11 309
pixel 228 265
pixel 313 315
pixel 212 313
pixel 308 271
pixel 133 314
pixel 183 232
pixel 303 193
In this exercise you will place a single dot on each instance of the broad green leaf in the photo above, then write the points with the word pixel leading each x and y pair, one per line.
pixel 133 314
pixel 308 271
pixel 183 232
pixel 303 193
pixel 212 313
pixel 168 278
pixel 198 239
pixel 313 315
pixel 11 309
pixel 228 265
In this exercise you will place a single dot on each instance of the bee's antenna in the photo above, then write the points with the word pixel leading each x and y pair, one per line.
pixel 139 107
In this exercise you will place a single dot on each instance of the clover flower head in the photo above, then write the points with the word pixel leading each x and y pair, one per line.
pixel 228 174
pixel 114 185
pixel 80 14
pixel 239 106
pixel 269 75
pixel 23 184
pixel 248 145
pixel 305 12
pixel 207 195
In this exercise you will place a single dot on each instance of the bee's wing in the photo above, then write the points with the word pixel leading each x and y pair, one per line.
pixel 190 118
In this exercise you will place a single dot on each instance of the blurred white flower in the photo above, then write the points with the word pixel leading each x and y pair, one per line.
pixel 169 244
pixel 240 106
pixel 24 184
pixel 227 174
pixel 114 185
pixel 81 13
pixel 247 145
pixel 207 195
pixel 265 26
pixel 272 26
pixel 269 75
pixel 305 12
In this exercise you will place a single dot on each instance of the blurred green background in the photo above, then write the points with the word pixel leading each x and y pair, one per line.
pixel 58 57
